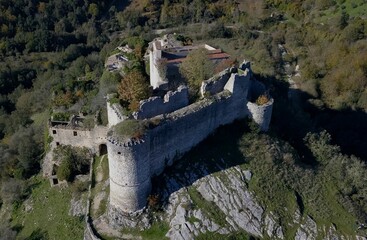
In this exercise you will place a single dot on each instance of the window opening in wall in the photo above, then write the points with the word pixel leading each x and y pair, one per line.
pixel 57 144
pixel 54 169
pixel 75 133
pixel 53 131
pixel 55 181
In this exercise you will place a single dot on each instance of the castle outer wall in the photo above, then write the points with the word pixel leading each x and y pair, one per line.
pixel 132 164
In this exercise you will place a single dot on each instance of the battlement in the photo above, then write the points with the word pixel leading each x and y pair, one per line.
pixel 125 143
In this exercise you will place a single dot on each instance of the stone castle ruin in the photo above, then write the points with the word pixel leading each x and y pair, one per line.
pixel 175 126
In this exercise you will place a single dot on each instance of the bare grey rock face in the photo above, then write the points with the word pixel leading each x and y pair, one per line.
pixel 248 175
pixel 28 205
pixel 331 233
pixel 192 196
pixel 307 230
pixel 229 193
pixel 186 222
pixel 138 219
pixel 272 227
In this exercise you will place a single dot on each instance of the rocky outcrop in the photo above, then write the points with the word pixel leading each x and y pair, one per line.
pixel 228 195
pixel 198 202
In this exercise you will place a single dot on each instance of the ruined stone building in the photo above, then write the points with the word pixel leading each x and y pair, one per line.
pixel 177 125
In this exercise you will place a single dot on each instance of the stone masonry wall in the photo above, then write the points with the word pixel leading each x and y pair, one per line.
pixel 261 114
pixel 170 102
pixel 114 112
pixel 79 137
pixel 155 79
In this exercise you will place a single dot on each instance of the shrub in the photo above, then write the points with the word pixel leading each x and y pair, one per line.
pixel 74 160
pixel 64 171
pixel 79 186
pixel 61 116
pixel 262 100
pixel 153 201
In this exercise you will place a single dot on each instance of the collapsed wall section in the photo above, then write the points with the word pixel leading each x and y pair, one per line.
pixel 215 84
pixel 156 105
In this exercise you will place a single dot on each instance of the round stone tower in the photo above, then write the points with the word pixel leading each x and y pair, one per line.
pixel 130 182
pixel 261 114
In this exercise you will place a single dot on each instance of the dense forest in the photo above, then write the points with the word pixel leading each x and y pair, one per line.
pixel 52 56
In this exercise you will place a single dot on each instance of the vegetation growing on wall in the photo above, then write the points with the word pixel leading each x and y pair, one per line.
pixel 131 128
pixel 262 99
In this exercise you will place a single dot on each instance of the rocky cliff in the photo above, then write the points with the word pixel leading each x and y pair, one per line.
pixel 219 191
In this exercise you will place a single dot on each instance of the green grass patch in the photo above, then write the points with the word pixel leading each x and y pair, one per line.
pixel 192 219
pixel 344 221
pixel 102 207
pixel 49 215
pixel 130 128
pixel 355 8
pixel 157 231
pixel 105 169
pixel 100 167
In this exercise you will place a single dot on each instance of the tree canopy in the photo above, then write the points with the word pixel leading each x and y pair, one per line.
pixel 196 67
pixel 133 88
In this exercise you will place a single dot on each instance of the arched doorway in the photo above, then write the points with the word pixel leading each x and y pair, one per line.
pixel 102 149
